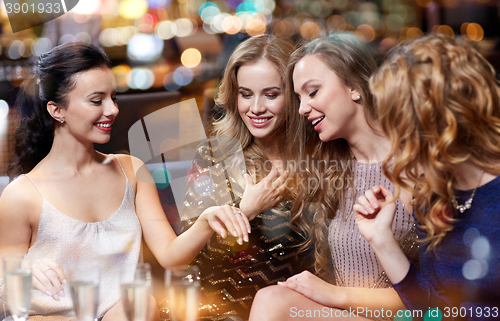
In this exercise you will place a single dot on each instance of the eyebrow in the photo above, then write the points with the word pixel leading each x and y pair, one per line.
pixel 304 85
pixel 267 88
pixel 97 93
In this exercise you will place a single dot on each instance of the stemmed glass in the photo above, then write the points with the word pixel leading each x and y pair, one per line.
pixel 84 285
pixel 136 290
pixel 18 286
pixel 183 292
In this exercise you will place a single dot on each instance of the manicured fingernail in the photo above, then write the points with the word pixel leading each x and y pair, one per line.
pixel 365 212
pixel 56 297
pixel 240 241
pixel 235 234
pixel 65 281
pixel 280 283
pixel 249 230
pixel 48 293
pixel 245 238
pixel 61 294
pixel 371 210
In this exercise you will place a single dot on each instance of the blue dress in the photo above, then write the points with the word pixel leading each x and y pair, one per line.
pixel 462 275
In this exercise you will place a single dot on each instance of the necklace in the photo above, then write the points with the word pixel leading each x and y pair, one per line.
pixel 468 203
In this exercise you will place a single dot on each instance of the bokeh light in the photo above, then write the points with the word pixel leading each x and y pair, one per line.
pixel 183 76
pixel 140 78
pixel 310 30
pixel 146 23
pixel 446 30
pixel 168 82
pixel 40 46
pixel 184 27
pixel 166 30
pixel 121 74
pixel 232 25
pixel 4 109
pixel 365 33
pixel 66 38
pixel 284 28
pixel 109 37
pixel 16 49
pixel 87 7
pixel 144 47
pixel 132 9
pixel 191 57
pixel 475 32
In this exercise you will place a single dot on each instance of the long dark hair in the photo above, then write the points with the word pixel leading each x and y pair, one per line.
pixel 52 81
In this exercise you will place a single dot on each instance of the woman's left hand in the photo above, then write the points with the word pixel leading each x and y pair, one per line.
pixel 230 218
pixel 312 287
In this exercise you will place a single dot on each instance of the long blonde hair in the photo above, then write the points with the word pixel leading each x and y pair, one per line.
pixel 439 103
pixel 316 206
pixel 271 48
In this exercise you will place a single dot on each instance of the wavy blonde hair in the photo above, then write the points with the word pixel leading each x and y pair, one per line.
pixel 273 49
pixel 344 54
pixel 439 103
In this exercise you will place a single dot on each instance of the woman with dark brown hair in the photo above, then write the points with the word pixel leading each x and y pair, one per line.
pixel 439 103
pixel 71 204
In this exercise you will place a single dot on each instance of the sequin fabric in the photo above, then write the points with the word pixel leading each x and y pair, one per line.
pixel 114 243
pixel 355 264
pixel 231 274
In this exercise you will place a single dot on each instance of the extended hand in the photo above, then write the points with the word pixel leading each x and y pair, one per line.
pixel 49 277
pixel 229 217
pixel 262 196
pixel 374 213
pixel 312 287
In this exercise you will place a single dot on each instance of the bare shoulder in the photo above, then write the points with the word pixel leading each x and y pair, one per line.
pixel 20 198
pixel 135 168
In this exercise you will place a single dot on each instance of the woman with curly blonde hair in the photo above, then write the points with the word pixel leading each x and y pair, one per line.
pixel 340 146
pixel 439 103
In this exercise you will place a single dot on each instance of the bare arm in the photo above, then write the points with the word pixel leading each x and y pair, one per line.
pixel 334 296
pixel 169 249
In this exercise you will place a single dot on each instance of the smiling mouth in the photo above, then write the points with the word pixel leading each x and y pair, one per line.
pixel 317 121
pixel 260 120
pixel 108 125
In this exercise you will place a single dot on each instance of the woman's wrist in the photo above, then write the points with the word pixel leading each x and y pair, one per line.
pixel 382 239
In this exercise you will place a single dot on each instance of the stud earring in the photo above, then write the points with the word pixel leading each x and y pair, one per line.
pixel 62 121
pixel 358 97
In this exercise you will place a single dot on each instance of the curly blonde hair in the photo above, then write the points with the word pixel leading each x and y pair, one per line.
pixel 273 49
pixel 439 103
pixel 344 54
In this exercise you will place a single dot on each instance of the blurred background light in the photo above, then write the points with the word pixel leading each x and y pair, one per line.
pixel 191 57
pixel 140 78
pixel 16 49
pixel 168 82
pixel 40 46
pixel 132 9
pixel 4 109
pixel 144 47
pixel 184 27
pixel 183 76
pixel 87 7
pixel 166 30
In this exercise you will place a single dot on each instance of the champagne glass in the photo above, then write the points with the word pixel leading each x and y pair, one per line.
pixel 84 285
pixel 183 292
pixel 136 290
pixel 18 286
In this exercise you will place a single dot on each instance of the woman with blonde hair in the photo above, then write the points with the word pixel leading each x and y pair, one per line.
pixel 439 103
pixel 252 97
pixel 328 85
